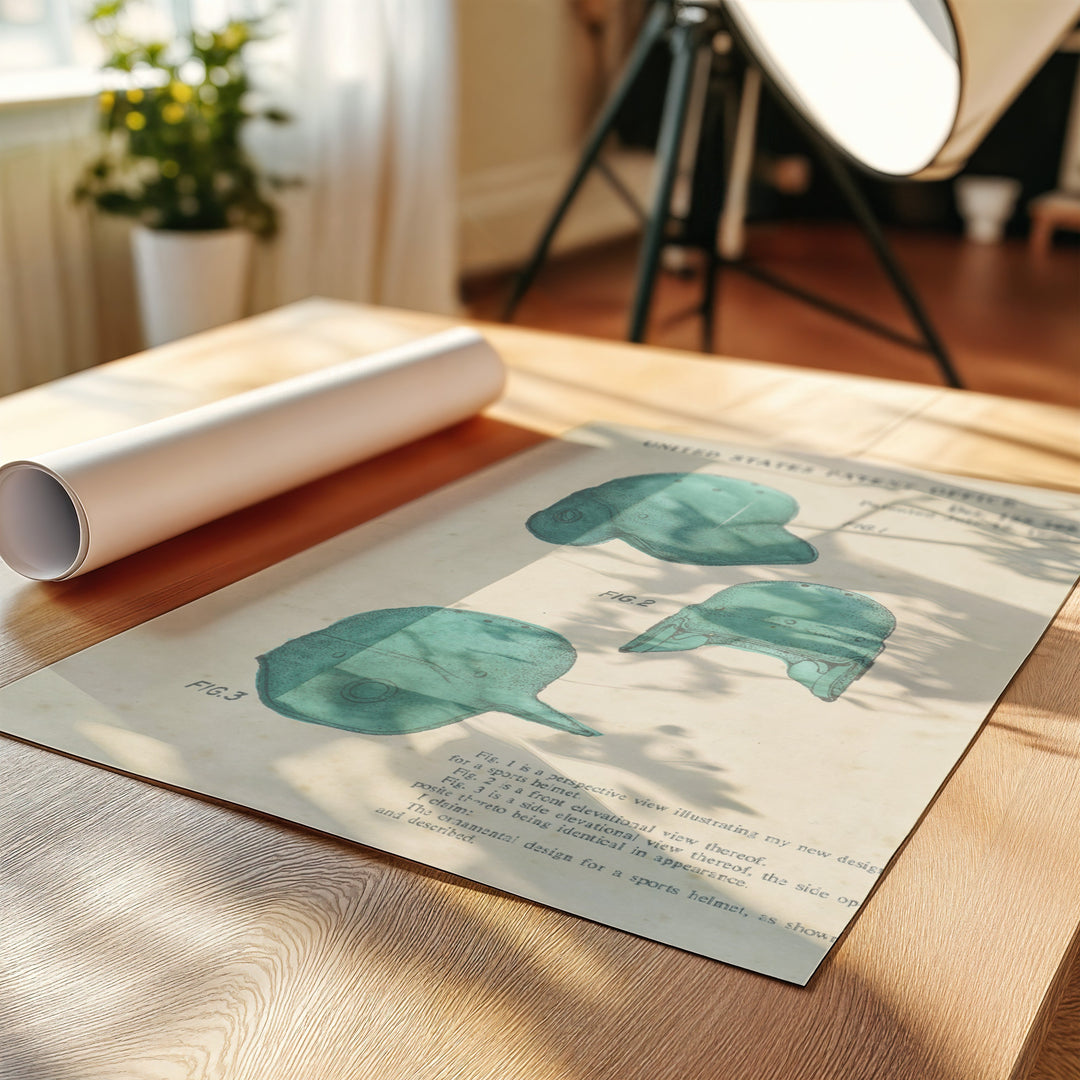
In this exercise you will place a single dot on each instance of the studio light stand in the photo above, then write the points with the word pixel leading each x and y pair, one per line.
pixel 690 27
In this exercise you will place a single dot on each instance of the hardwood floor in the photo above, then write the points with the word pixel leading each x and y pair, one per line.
pixel 1010 319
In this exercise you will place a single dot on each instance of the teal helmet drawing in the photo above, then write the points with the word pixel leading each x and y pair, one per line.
pixel 401 670
pixel 828 637
pixel 695 518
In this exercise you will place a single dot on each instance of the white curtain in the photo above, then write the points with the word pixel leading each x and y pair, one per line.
pixel 372 88
pixel 49 322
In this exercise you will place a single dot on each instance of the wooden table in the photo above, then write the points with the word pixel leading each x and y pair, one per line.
pixel 149 934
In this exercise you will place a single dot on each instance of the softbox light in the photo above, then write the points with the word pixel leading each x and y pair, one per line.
pixel 906 88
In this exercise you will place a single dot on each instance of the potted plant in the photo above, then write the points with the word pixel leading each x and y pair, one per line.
pixel 172 158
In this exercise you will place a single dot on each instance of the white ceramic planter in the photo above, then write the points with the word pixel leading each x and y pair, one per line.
pixel 189 281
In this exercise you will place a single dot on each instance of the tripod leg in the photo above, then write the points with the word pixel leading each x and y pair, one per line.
pixel 869 223
pixel 682 194
pixel 709 287
pixel 731 233
pixel 652 31
pixel 727 202
pixel 686 38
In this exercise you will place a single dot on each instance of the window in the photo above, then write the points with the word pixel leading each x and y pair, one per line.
pixel 36 34
pixel 47 51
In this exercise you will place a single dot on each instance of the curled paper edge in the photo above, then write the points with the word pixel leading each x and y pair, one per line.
pixel 68 511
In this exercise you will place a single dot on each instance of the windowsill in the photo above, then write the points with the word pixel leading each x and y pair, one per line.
pixel 48 87
pixel 52 86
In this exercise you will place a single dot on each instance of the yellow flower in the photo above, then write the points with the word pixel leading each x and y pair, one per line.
pixel 172 113
pixel 170 168
pixel 135 121
pixel 106 100
pixel 233 36
pixel 181 91
pixel 135 96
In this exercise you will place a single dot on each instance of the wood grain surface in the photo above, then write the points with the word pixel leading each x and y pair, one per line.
pixel 150 934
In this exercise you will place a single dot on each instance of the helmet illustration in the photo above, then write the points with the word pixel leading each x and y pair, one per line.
pixel 694 518
pixel 828 637
pixel 400 670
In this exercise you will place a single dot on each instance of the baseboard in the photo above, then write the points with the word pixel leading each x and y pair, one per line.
pixel 503 209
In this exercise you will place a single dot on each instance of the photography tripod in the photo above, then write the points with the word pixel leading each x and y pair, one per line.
pixel 690 27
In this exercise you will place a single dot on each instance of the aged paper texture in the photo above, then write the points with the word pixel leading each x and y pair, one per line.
pixel 692 691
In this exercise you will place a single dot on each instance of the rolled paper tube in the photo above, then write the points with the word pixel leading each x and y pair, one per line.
pixel 69 511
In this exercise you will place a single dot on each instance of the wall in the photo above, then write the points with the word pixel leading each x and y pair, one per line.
pixel 530 80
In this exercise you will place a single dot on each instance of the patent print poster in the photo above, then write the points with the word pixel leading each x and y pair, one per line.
pixel 695 692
